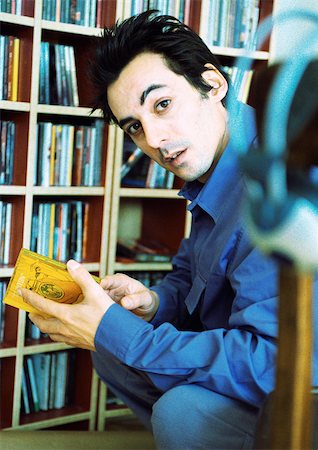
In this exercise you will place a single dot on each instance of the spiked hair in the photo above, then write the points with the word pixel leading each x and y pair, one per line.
pixel 183 51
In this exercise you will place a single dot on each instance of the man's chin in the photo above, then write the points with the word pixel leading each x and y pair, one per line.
pixel 202 177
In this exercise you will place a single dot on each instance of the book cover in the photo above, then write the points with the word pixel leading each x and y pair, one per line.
pixel 43 275
pixel 60 379
pixel 2 58
pixel 73 76
pixel 15 69
pixel 52 380
pixel 10 66
pixel 42 363
pixel 33 385
pixel 24 394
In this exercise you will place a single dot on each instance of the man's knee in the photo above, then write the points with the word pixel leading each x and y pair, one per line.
pixel 191 417
pixel 169 416
pixel 172 404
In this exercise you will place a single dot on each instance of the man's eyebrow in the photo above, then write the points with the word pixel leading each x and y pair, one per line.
pixel 123 122
pixel 147 91
pixel 143 97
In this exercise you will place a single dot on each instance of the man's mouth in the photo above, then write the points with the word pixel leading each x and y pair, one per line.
pixel 173 156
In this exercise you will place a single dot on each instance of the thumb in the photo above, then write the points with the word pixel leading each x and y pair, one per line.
pixel 81 276
pixel 43 306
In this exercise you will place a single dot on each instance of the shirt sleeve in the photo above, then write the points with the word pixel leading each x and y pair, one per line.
pixel 238 361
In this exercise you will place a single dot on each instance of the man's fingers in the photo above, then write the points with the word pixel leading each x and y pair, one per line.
pixel 119 280
pixel 46 324
pixel 81 276
pixel 141 299
pixel 44 305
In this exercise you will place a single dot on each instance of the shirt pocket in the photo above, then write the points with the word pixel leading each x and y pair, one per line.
pixel 195 293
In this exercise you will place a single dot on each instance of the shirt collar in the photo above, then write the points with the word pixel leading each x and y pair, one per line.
pixel 212 195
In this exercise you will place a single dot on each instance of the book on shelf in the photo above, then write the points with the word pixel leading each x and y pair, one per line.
pixel 9 73
pixel 132 160
pixel 68 155
pixel 32 331
pixel 138 170
pixel 18 7
pixel 58 80
pixel 60 380
pixel 80 12
pixel 45 380
pixel 33 390
pixel 43 275
pixel 52 381
pixel 9 69
pixel 25 394
pixel 230 23
pixel 143 250
pixel 3 287
pixel 59 229
pixel 159 177
pixel 179 9
pixel 5 231
pixel 15 69
pixel 3 56
pixel 135 165
pixel 7 135
pixel 241 81
pixel 42 364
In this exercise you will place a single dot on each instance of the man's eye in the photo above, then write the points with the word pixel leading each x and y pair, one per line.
pixel 134 128
pixel 163 105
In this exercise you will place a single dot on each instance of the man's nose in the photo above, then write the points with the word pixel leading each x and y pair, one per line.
pixel 154 134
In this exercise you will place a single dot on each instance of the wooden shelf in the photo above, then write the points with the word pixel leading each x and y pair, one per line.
pixel 17 20
pixel 142 267
pixel 69 190
pixel 67 111
pixel 70 28
pixel 148 193
pixel 15 106
pixel 237 52
pixel 26 113
pixel 6 272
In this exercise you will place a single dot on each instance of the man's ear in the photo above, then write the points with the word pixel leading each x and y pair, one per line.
pixel 216 80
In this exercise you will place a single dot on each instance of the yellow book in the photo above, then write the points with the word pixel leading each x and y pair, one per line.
pixel 15 69
pixel 43 275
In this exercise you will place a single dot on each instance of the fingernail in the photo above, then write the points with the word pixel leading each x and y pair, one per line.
pixel 72 264
pixel 19 291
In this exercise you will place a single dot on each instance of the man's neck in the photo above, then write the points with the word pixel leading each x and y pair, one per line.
pixel 218 153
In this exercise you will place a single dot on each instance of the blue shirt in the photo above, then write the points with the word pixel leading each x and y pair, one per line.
pixel 216 325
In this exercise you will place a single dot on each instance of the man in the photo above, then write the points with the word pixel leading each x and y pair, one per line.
pixel 195 356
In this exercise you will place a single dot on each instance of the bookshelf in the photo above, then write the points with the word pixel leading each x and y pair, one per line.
pixel 119 211
pixel 77 409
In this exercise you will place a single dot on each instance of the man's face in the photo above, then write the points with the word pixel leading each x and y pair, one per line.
pixel 168 118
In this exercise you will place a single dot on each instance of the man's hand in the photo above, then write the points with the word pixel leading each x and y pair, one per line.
pixel 74 324
pixel 131 295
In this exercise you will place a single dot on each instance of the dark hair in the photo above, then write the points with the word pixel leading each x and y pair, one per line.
pixel 183 50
